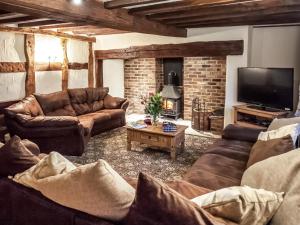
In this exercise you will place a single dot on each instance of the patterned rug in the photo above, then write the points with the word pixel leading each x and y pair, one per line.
pixel 111 146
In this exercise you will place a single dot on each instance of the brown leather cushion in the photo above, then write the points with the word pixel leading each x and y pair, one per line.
pixel 185 188
pixel 238 150
pixel 112 102
pixel 87 123
pixel 28 106
pixel 216 171
pixel 240 133
pixel 86 100
pixel 56 104
pixel 46 121
pixel 156 203
pixel 15 157
pixel 114 113
pixel 262 150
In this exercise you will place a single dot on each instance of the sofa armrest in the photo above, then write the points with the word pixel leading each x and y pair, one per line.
pixel 113 102
pixel 46 121
pixel 235 132
pixel 125 105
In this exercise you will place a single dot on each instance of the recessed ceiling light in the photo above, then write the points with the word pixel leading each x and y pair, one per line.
pixel 77 2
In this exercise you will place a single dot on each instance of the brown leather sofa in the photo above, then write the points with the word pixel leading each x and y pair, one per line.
pixel 64 121
pixel 222 165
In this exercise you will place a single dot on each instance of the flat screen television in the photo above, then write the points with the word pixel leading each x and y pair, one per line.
pixel 266 87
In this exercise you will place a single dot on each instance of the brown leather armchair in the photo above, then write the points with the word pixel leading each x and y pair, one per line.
pixel 64 121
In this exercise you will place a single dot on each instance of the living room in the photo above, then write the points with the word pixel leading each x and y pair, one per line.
pixel 149 112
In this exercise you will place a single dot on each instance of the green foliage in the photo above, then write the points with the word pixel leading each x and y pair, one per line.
pixel 155 106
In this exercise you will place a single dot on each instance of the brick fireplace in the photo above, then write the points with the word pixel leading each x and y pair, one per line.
pixel 203 77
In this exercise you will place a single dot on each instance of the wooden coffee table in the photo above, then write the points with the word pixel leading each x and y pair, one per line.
pixel 154 136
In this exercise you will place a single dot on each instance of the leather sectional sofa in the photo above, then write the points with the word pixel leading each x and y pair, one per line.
pixel 222 165
pixel 64 121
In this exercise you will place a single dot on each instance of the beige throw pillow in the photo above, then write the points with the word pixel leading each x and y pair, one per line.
pixel 293 130
pixel 243 205
pixel 93 188
pixel 277 123
pixel 280 174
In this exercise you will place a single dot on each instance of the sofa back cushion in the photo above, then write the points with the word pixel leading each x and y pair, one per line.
pixel 56 104
pixel 28 106
pixel 87 100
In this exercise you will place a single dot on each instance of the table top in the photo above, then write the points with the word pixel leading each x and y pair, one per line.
pixel 158 130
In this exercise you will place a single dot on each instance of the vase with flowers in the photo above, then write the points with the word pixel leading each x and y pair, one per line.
pixel 155 107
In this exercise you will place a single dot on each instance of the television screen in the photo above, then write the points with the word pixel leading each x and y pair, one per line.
pixel 268 87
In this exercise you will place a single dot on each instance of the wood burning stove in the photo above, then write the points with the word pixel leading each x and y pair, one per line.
pixel 172 98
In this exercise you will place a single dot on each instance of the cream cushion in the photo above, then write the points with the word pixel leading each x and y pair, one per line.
pixel 93 188
pixel 277 123
pixel 280 174
pixel 293 130
pixel 243 205
pixel 1 144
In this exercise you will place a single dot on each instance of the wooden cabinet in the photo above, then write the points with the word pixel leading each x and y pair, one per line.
pixel 247 116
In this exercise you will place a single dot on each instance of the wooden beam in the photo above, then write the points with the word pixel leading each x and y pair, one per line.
pixel 40 23
pixel 30 73
pixel 99 31
pixel 46 32
pixel 193 49
pixel 77 27
pixel 276 19
pixel 10 15
pixel 19 19
pixel 92 13
pixel 113 4
pixel 99 73
pixel 259 14
pixel 65 70
pixel 12 67
pixel 16 67
pixel 179 6
pixel 58 26
pixel 240 7
pixel 91 66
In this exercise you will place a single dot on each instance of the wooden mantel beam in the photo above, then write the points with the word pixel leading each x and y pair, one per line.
pixel 46 32
pixel 193 49
pixel 91 12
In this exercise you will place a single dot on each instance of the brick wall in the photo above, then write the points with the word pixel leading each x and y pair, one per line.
pixel 142 77
pixel 204 77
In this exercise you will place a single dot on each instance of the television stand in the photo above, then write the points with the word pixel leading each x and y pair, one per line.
pixel 255 117
pixel 263 108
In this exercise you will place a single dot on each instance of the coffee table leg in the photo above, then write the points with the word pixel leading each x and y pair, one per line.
pixel 128 142
pixel 173 150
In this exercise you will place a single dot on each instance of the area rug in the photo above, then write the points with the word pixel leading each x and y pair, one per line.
pixel 111 146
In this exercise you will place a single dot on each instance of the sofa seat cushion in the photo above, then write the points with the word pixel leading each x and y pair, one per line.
pixel 87 123
pixel 238 150
pixel 216 171
pixel 87 100
pixel 56 104
pixel 114 113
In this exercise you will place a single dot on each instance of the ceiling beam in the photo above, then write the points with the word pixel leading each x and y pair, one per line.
pixel 99 31
pixel 192 49
pixel 92 12
pixel 265 13
pixel 113 4
pixel 19 19
pixel 40 23
pixel 45 32
pixel 241 7
pixel 58 26
pixel 179 5
pixel 260 20
pixel 76 27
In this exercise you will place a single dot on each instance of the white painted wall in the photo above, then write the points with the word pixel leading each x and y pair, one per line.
pixel 47 49
pixel 114 77
pixel 208 34
pixel 277 47
pixel 12 86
